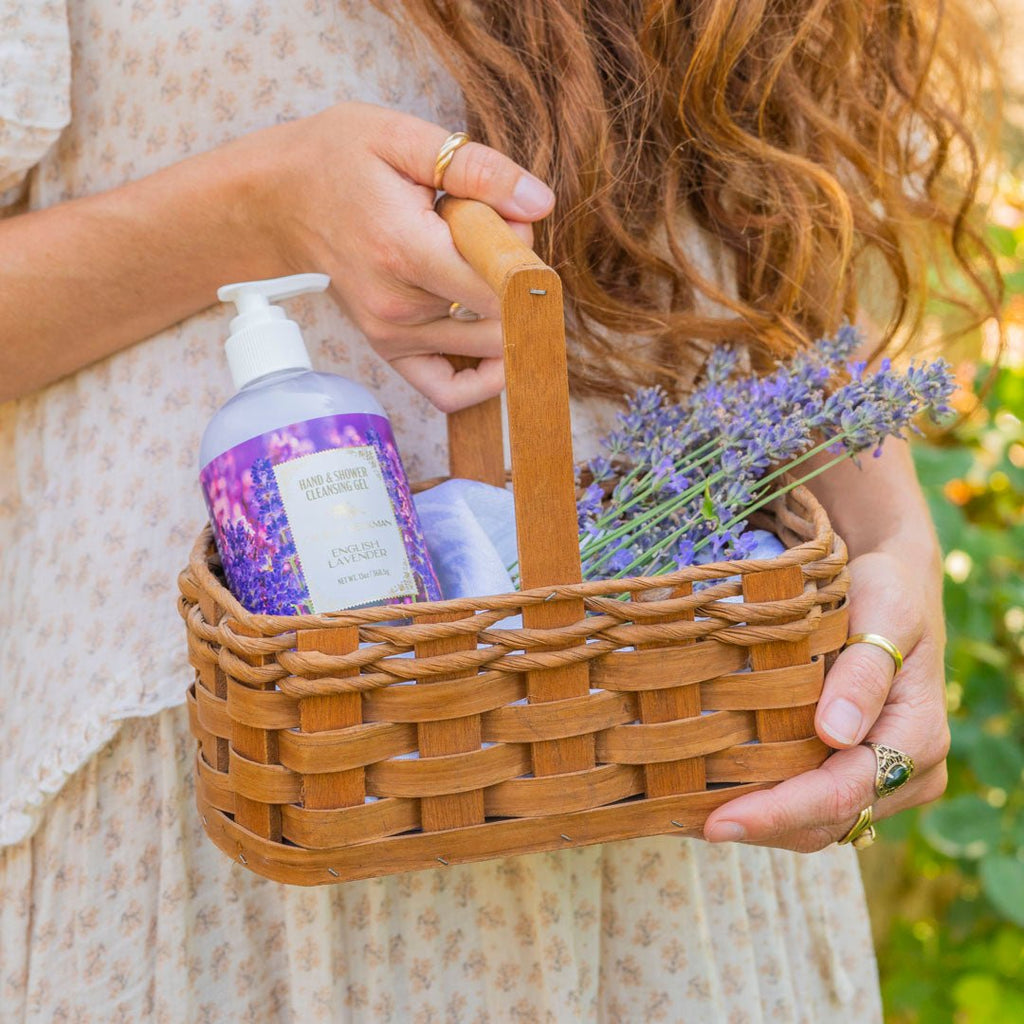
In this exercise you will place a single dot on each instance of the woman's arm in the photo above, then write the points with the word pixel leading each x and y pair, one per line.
pixel 878 506
pixel 348 192
pixel 92 276
pixel 896 591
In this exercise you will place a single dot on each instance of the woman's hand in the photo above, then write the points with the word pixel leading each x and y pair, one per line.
pixel 348 192
pixel 352 196
pixel 895 591
pixel 861 701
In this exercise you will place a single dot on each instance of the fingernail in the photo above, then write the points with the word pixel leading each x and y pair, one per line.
pixel 532 196
pixel 842 721
pixel 726 832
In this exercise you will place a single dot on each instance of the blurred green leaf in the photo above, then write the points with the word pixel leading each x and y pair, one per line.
pixel 1009 392
pixel 1015 833
pixel 983 999
pixel 935 466
pixel 997 761
pixel 1002 239
pixel 1007 952
pixel 965 826
pixel 1002 879
pixel 964 733
pixel 949 522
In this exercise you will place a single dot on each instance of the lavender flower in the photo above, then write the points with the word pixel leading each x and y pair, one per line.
pixel 686 476
pixel 277 585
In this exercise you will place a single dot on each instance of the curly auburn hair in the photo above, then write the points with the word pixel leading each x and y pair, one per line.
pixel 825 147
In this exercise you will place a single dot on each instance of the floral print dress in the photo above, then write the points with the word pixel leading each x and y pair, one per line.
pixel 113 905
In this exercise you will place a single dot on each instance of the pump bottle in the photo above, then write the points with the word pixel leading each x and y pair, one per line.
pixel 307 495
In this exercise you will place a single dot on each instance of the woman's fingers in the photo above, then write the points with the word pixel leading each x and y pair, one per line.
pixel 417 285
pixel 814 809
pixel 803 812
pixel 448 276
pixel 857 686
pixel 448 389
pixel 476 171
pixel 481 338
pixel 924 788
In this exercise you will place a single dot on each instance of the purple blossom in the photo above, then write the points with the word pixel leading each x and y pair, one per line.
pixel 263 568
pixel 688 474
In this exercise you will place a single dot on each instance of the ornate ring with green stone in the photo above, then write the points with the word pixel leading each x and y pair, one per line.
pixel 893 769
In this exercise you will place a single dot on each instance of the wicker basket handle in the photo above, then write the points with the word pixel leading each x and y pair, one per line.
pixel 537 396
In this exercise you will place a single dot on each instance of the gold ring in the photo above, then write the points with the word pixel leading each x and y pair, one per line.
pixel 454 142
pixel 877 641
pixel 862 827
pixel 457 311
pixel 865 839
pixel 893 769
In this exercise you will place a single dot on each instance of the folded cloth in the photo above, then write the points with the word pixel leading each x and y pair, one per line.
pixel 470 529
pixel 766 544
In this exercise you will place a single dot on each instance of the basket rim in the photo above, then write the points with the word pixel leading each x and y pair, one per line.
pixel 198 578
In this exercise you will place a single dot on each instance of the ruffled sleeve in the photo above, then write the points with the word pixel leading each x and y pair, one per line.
pixel 35 85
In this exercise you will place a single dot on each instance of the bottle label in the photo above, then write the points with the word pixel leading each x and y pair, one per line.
pixel 317 517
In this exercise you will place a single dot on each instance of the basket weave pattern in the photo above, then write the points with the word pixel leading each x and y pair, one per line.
pixel 333 747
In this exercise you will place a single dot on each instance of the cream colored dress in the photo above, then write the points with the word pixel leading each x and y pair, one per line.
pixel 113 906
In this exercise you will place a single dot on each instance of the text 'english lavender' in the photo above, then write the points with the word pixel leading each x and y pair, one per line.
pixel 677 482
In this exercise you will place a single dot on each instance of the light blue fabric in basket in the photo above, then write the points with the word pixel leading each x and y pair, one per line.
pixel 470 529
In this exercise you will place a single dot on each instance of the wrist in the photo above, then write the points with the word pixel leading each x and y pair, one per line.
pixel 917 547
pixel 243 185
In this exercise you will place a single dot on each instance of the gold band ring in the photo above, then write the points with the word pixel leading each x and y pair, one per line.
pixel 453 143
pixel 457 311
pixel 877 641
pixel 893 769
pixel 863 832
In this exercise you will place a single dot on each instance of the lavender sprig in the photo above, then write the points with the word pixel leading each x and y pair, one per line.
pixel 677 482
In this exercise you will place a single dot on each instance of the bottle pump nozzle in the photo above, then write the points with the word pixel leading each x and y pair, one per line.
pixel 263 340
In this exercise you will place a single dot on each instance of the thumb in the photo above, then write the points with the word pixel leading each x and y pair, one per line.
pixel 475 172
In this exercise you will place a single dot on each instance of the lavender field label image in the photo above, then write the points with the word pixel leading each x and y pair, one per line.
pixel 317 516
pixel 346 534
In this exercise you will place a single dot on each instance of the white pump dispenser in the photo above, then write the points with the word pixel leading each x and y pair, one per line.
pixel 263 340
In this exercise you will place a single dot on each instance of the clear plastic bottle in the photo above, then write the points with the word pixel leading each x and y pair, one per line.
pixel 306 491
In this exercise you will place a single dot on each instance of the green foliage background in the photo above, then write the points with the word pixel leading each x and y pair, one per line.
pixel 946 883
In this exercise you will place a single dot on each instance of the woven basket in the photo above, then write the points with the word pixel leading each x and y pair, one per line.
pixel 343 746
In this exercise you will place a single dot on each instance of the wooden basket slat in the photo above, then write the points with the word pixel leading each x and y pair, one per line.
pixel 468 695
pixel 419 850
pixel 257 746
pixel 346 749
pixel 342 786
pixel 439 737
pixel 833 628
pixel 525 723
pixel 655 742
pixel 212 714
pixel 213 788
pixel 765 762
pixel 453 773
pixel 262 709
pixel 668 666
pixel 327 829
pixel 264 784
pixel 768 688
pixel 663 777
pixel 777 585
